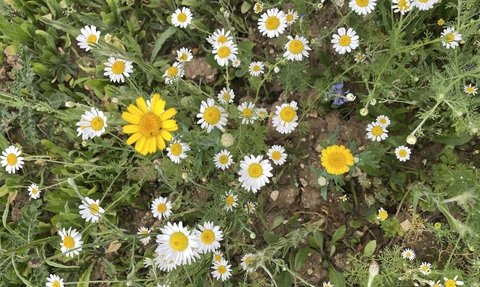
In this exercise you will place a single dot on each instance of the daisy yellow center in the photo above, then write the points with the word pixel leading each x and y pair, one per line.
pixel 256 68
pixel 441 22
pixel 362 3
pixel 12 159
pixel 56 284
pixel 144 232
pixel 34 191
pixel 450 37
pixel 272 23
pixel 425 268
pixel 223 52
pixel 247 112
pixel 383 121
pixel 93 208
pixel 276 155
pixel 377 131
pixel 183 57
pixel 217 257
pixel 248 259
pixel 408 254
pixel 450 283
pixel 470 90
pixel 345 40
pixel 223 159
pixel 182 17
pixel 208 236
pixel 250 207
pixel 162 207
pixel 97 123
pixel 423 1
pixel 118 67
pixel 383 215
pixel 179 241
pixel 359 57
pixel 289 17
pixel 172 71
pixel 226 97
pixel 255 170
pixel 258 8
pixel 402 5
pixel 222 39
pixel 435 285
pixel 438 225
pixel 108 38
pixel 337 160
pixel 150 125
pixel 288 114
pixel 176 149
pixel 68 242
pixel 229 200
pixel 295 47
pixel 91 39
pixel 212 115
pixel 222 269
pixel 402 153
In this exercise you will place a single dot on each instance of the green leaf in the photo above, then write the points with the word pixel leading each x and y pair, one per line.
pixel 161 40
pixel 355 224
pixel 245 7
pixel 337 278
pixel 370 248
pixel 301 256
pixel 318 237
pixel 453 139
pixel 109 267
pixel 246 46
pixel 277 221
pixel 84 280
pixel 339 233
pixel 285 279
pixel 271 238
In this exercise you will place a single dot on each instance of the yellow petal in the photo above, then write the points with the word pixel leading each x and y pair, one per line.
pixel 170 125
pixel 130 129
pixel 165 135
pixel 152 145
pixel 160 142
pixel 168 114
pixel 142 105
pixel 133 138
pixel 131 118
pixel 139 146
pixel 134 110
pixel 159 107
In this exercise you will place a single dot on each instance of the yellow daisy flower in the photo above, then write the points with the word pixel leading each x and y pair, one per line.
pixel 337 159
pixel 150 128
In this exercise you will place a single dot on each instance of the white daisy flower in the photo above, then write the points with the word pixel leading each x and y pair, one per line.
pixel 272 23
pixel 470 90
pixel 408 254
pixel 217 256
pixel 145 237
pixel 33 191
pixel 376 132
pixel 450 38
pixel 90 210
pixel 424 4
pixel 401 6
pixel 11 159
pixel 359 58
pixel 226 96
pixel 382 214
pixel 256 68
pixel 88 36
pixel 208 237
pixel 54 281
pixel 291 17
pixel 247 262
pixel 71 244
pixel 425 268
pixel 230 200
pixel 211 116
pixel 285 119
pixel 184 55
pixel 107 38
pixel 339 3
pixel 236 63
pixel 258 8
pixel 435 284
pixel 223 159
pixel 262 112
pixel 296 48
pixel 92 124
pixel 116 69
pixel 174 73
pixel 163 264
pixel 219 37
pixel 250 207
pixel 327 284
pixel 161 207
pixel 345 40
pixel 403 153
pixel 247 110
pixel 176 150
pixel 182 17
pixel 383 120
pixel 362 7
pixel 225 52
pixel 177 243
pixel 254 172
pixel 452 282
pixel 147 262
pixel 221 270
pixel 277 154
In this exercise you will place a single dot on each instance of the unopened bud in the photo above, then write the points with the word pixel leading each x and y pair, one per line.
pixel 69 104
pixel 364 112
pixel 84 143
pixel 373 102
pixel 411 139
pixel 276 70
pixel 350 97
pixel 322 181
pixel 374 269
pixel 253 235
pixel 227 140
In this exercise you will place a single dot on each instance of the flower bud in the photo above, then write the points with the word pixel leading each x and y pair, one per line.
pixel 69 104
pixel 374 269
pixel 114 100
pixel 227 140
pixel 350 97
pixel 322 181
pixel 276 70
pixel 364 112
pixel 253 235
pixel 411 139
pixel 373 102
pixel 184 176
pixel 84 143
